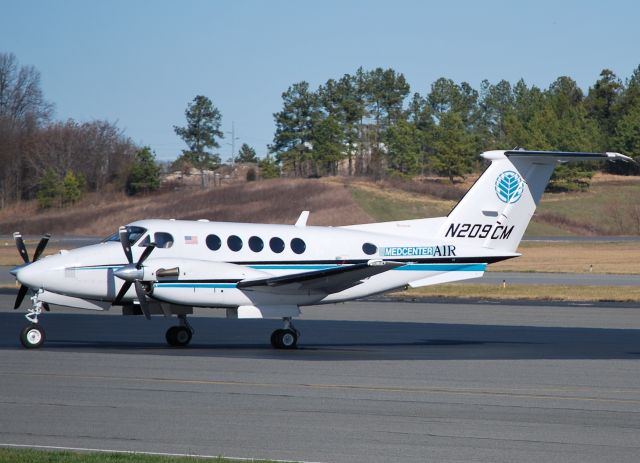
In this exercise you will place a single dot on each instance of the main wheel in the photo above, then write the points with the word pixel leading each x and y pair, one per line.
pixel 275 339
pixel 178 336
pixel 284 339
pixel 32 336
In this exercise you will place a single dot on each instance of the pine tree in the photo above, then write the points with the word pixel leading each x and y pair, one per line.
pixel 73 186
pixel 454 153
pixel 144 175
pixel 403 149
pixel 268 167
pixel 246 154
pixel 203 127
pixel 50 189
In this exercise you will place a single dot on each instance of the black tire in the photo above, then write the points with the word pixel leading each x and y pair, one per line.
pixel 178 336
pixel 275 339
pixel 182 336
pixel 32 336
pixel 170 336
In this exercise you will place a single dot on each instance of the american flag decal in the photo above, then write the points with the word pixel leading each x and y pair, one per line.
pixel 190 239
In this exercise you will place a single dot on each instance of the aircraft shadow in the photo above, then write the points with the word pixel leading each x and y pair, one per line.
pixel 327 339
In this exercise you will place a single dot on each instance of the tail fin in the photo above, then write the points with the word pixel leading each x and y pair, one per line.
pixel 496 210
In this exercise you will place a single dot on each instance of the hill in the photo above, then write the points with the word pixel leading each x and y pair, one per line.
pixel 610 207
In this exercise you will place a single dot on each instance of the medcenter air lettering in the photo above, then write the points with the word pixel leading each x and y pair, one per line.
pixel 447 250
pixel 476 230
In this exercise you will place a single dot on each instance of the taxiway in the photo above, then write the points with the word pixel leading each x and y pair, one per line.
pixel 372 382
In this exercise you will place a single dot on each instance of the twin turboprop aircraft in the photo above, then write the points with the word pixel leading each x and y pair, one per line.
pixel 169 267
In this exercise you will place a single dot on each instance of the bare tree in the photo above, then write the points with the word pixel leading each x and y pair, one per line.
pixel 23 110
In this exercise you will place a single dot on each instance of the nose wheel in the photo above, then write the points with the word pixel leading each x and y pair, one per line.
pixel 32 336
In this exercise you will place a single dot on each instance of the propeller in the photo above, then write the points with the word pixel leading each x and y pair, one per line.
pixel 132 274
pixel 22 249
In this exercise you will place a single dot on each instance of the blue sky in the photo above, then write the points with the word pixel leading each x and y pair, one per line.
pixel 139 63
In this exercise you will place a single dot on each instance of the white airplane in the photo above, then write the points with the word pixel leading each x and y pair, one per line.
pixel 169 267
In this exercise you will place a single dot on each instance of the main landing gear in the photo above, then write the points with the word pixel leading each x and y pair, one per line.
pixel 32 336
pixel 180 335
pixel 286 338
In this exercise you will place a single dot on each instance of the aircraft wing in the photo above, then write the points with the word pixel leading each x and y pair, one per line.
pixel 326 281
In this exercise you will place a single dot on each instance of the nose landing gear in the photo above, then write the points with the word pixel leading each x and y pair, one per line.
pixel 32 336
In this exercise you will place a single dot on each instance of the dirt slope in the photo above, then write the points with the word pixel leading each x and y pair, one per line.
pixel 270 201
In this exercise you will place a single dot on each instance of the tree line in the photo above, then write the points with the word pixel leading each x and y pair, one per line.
pixel 369 123
pixel 57 161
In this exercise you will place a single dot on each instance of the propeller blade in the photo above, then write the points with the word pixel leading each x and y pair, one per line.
pixel 22 249
pixel 121 293
pixel 22 292
pixel 41 245
pixel 142 298
pixel 124 240
pixel 150 247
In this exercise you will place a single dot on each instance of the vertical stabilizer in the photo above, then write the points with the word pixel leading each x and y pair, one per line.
pixel 497 209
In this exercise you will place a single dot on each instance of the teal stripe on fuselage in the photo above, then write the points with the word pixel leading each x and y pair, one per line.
pixel 195 285
pixel 291 267
pixel 444 267
pixel 99 267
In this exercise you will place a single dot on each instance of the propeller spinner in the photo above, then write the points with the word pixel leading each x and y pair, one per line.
pixel 22 249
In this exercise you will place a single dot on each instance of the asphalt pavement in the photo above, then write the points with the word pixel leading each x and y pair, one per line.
pixel 371 382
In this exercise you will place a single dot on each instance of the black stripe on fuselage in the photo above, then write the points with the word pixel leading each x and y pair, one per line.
pixel 438 260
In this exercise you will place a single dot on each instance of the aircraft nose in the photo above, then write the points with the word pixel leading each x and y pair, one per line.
pixel 30 275
pixel 14 270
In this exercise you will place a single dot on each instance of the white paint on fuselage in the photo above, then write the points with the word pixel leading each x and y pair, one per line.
pixel 88 272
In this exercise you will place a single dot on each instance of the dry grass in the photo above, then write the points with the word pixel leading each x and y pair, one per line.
pixel 574 257
pixel 529 292
pixel 269 201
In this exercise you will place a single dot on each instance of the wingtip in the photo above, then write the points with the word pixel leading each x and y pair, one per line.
pixel 614 155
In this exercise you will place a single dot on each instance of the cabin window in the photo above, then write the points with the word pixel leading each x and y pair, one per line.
pixel 163 239
pixel 145 242
pixel 298 246
pixel 213 242
pixel 234 242
pixel 276 245
pixel 256 244
pixel 369 248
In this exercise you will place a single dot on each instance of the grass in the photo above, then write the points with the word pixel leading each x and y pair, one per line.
pixel 386 204
pixel 267 201
pixel 609 207
pixel 528 292
pixel 574 257
pixel 8 455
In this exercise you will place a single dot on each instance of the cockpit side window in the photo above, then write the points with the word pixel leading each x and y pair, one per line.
pixel 133 233
pixel 163 239
pixel 145 242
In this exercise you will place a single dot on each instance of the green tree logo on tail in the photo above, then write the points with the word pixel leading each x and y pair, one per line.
pixel 509 187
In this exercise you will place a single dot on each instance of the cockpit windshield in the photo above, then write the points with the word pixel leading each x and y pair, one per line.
pixel 133 233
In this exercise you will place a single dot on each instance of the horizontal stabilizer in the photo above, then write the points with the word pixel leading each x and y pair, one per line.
pixel 569 155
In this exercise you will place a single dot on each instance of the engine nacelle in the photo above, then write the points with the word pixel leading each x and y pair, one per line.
pixel 197 270
pixel 198 283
